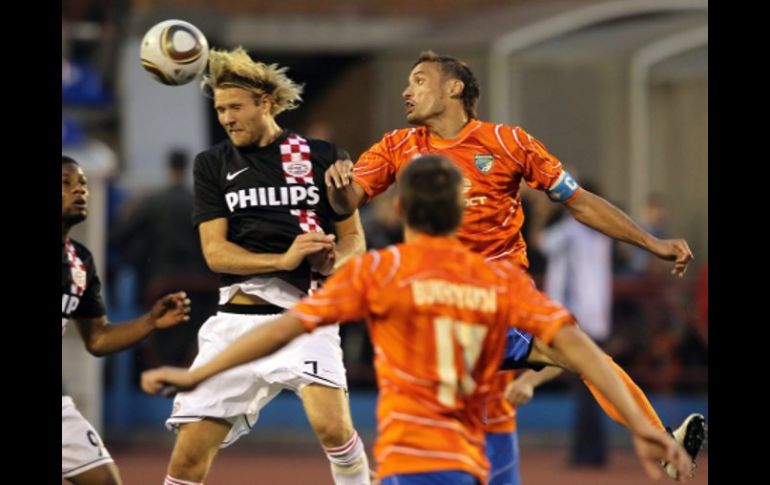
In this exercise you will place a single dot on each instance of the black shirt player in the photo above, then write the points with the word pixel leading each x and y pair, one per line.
pixel 267 228
pixel 84 458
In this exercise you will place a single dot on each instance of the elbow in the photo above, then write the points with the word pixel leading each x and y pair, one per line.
pixel 583 205
pixel 211 255
pixel 94 348
pixel 288 328
pixel 277 335
pixel 213 266
pixel 345 201
pixel 584 214
pixel 576 206
pixel 342 206
pixel 580 215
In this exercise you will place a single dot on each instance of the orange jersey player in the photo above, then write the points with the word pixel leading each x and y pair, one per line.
pixel 438 316
pixel 440 100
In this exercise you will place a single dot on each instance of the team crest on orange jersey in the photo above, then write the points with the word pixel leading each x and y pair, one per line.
pixel 484 162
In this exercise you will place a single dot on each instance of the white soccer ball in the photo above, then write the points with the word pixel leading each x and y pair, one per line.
pixel 173 52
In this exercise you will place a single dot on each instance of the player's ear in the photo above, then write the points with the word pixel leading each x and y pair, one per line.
pixel 265 102
pixel 456 88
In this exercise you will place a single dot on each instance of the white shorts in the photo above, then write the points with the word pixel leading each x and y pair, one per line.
pixel 238 394
pixel 81 447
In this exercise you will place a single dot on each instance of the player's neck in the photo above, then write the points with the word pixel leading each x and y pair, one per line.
pixel 447 127
pixel 412 234
pixel 65 230
pixel 271 132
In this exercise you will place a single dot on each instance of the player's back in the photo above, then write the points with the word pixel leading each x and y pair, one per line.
pixel 438 316
pixel 438 327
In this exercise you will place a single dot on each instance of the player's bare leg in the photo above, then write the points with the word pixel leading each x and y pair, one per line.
pixel 196 447
pixel 328 411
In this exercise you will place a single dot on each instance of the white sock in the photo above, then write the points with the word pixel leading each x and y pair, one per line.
pixel 349 463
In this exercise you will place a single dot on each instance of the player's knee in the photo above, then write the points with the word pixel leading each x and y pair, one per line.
pixel 332 431
pixel 187 464
pixel 544 354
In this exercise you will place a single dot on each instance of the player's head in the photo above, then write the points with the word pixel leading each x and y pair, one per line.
pixel 247 94
pixel 74 192
pixel 177 161
pixel 437 84
pixel 430 195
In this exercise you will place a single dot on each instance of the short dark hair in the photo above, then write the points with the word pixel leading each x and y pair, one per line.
pixel 430 192
pixel 178 160
pixel 456 69
pixel 66 159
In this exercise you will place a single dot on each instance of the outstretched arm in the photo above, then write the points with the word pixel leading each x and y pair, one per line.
pixel 259 342
pixel 599 214
pixel 101 338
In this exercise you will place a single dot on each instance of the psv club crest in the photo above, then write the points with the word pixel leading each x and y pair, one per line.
pixel 299 168
pixel 79 277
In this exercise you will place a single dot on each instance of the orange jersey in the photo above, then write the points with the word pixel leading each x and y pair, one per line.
pixel 437 316
pixel 494 159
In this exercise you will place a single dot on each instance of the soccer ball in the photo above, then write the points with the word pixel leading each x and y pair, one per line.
pixel 173 52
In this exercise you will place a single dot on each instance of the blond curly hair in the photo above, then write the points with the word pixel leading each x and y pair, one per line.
pixel 236 69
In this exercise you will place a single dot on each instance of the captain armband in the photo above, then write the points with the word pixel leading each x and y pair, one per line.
pixel 564 188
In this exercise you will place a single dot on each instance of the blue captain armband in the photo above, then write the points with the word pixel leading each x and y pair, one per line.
pixel 564 188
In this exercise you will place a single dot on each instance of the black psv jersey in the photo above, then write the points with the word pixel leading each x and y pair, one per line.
pixel 80 285
pixel 269 195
